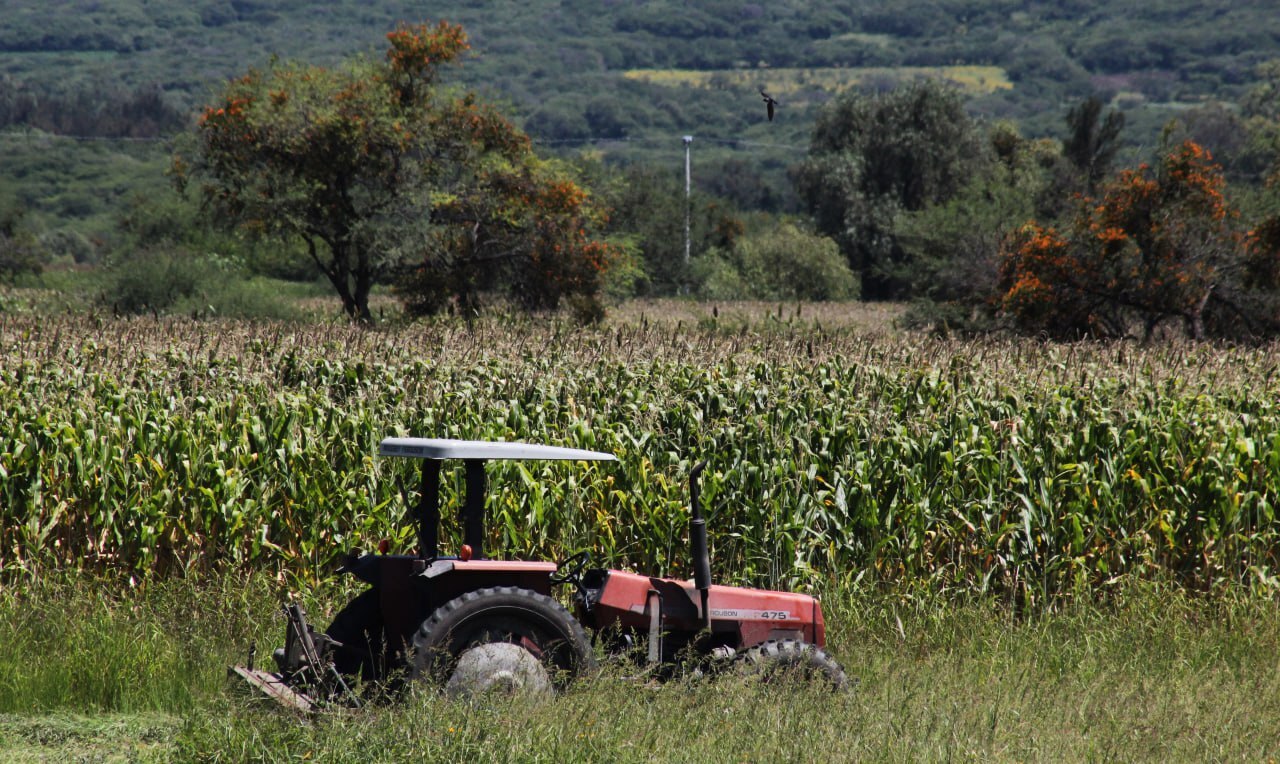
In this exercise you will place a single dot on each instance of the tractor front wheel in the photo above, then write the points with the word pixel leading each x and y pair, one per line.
pixel 784 658
pixel 501 638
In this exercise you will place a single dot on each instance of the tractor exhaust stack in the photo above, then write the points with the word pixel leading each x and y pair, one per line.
pixel 698 541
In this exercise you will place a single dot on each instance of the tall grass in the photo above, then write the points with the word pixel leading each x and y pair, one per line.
pixel 1033 471
pixel 89 645
pixel 1150 673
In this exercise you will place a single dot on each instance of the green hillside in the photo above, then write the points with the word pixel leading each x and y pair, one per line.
pixel 545 56
pixel 625 78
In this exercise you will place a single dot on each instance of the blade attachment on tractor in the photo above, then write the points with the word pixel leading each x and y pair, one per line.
pixel 274 687
pixel 307 678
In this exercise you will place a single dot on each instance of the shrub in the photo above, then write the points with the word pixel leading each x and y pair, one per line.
pixel 175 281
pixel 784 263
pixel 150 280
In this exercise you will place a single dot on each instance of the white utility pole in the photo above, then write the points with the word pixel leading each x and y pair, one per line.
pixel 688 139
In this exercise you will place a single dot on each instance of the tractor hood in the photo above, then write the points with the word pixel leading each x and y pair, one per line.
pixel 754 615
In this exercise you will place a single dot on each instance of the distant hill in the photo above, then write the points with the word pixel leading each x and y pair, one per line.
pixel 628 78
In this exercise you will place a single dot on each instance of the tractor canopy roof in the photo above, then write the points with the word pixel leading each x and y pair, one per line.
pixel 443 448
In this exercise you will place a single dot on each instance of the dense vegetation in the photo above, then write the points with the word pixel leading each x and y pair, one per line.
pixel 138 71
pixel 1006 467
pixel 553 60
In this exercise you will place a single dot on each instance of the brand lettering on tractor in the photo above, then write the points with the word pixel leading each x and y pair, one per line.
pixel 753 615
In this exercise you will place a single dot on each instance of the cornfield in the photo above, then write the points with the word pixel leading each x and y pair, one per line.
pixel 1011 467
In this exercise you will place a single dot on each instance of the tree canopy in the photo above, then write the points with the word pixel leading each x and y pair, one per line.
pixel 374 166
pixel 1093 141
pixel 524 225
pixel 19 250
pixel 1160 243
pixel 872 157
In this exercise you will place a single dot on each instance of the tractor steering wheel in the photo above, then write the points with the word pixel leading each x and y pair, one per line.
pixel 570 571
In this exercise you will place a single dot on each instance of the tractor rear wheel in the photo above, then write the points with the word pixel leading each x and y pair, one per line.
pixel 784 658
pixel 358 627
pixel 501 638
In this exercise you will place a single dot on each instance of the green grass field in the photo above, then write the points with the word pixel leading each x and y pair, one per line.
pixel 1025 551
pixel 1150 675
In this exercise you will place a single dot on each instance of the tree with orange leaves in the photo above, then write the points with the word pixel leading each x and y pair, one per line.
pixel 366 164
pixel 1159 244
pixel 526 227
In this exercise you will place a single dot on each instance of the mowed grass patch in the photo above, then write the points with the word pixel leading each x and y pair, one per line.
pixel 98 738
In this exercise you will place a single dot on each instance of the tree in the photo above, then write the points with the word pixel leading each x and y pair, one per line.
pixel 956 244
pixel 1260 110
pixel 1086 159
pixel 782 262
pixel 528 225
pixel 20 250
pixel 1093 141
pixel 874 157
pixel 648 211
pixel 1161 243
pixel 1263 99
pixel 370 165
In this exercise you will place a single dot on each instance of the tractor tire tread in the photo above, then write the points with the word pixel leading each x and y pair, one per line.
pixel 794 654
pixel 549 614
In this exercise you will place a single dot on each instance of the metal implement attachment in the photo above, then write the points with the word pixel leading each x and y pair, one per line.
pixel 307 679
pixel 328 680
pixel 274 687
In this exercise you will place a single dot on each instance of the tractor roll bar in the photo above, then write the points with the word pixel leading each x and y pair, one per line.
pixel 474 454
pixel 444 448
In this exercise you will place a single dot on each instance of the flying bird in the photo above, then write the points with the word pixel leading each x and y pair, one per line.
pixel 769 102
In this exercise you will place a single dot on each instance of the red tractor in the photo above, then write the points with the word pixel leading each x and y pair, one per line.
pixel 472 624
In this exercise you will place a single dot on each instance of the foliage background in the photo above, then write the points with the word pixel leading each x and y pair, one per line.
pixel 120 77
